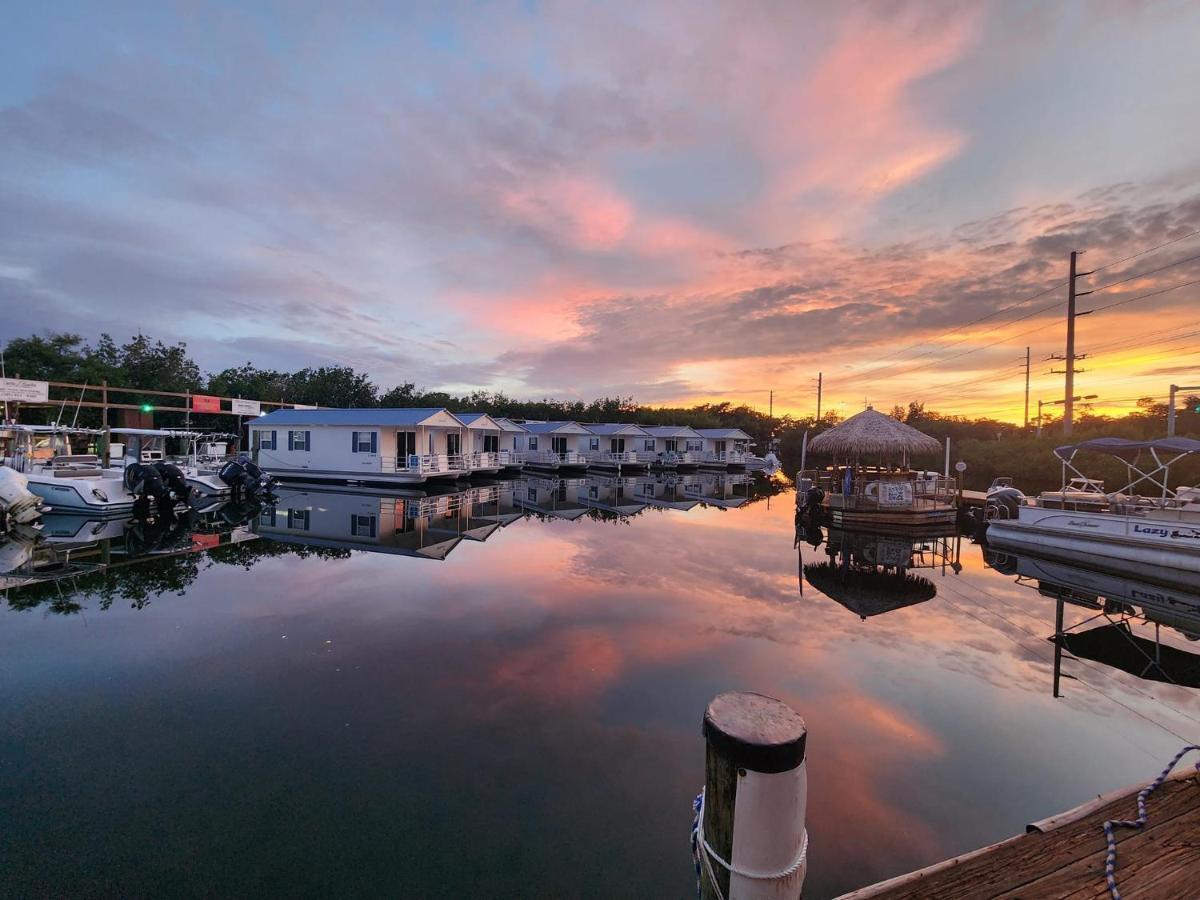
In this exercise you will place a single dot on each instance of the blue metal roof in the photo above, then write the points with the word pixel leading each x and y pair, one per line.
pixel 366 416
pixel 607 428
pixel 551 427
pixel 723 433
pixel 672 431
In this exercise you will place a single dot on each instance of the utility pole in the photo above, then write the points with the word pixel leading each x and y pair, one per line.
pixel 1175 389
pixel 771 407
pixel 819 396
pixel 1026 388
pixel 1070 357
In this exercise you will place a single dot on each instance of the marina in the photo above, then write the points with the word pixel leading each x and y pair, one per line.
pixel 855 629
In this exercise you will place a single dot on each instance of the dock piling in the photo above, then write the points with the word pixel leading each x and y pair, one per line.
pixel 752 840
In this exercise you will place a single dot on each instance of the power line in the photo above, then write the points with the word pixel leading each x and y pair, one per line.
pixel 1117 262
pixel 1134 277
pixel 1165 290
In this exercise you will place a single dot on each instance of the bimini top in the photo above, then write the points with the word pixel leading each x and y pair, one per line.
pixel 723 434
pixel 555 428
pixel 672 431
pixel 366 416
pixel 1127 449
pixel 614 429
pixel 479 421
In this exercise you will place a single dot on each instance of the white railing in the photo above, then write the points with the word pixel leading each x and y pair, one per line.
pixel 572 458
pixel 429 464
pixel 484 460
pixel 725 457
pixel 537 457
pixel 611 457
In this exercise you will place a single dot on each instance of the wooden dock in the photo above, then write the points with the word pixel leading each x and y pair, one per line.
pixel 1064 856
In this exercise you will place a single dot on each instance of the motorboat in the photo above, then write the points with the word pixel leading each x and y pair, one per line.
pixel 1160 528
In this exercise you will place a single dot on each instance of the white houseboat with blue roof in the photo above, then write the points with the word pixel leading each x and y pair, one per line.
pixel 484 453
pixel 617 446
pixel 676 446
pixel 511 436
pixel 553 445
pixel 724 447
pixel 361 446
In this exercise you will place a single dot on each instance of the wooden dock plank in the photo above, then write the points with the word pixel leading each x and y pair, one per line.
pixel 1069 860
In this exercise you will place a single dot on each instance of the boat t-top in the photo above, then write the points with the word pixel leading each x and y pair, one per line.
pixel 1145 521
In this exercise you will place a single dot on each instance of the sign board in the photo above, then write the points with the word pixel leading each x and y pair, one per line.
pixel 960 466
pixel 303 406
pixel 25 391
pixel 205 403
pixel 245 407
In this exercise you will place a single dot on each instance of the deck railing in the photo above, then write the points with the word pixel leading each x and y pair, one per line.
pixel 876 490
pixel 482 459
pixel 611 457
pixel 725 457
pixel 428 464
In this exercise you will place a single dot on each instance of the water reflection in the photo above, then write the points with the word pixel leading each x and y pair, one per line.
pixel 1130 618
pixel 872 574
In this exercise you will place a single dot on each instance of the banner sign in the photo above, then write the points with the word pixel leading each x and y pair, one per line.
pixel 245 407
pixel 303 406
pixel 204 403
pixel 25 391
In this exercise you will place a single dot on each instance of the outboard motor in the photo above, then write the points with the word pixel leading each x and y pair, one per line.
pixel 1003 503
pixel 247 480
pixel 18 505
pixel 172 476
pixel 812 508
pixel 144 482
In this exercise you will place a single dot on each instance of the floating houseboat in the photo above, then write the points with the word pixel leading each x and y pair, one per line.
pixel 870 484
pixel 724 447
pixel 510 439
pixel 616 446
pixel 676 446
pixel 1082 520
pixel 361 446
pixel 484 453
pixel 553 445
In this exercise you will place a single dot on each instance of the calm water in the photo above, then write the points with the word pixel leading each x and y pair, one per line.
pixel 505 698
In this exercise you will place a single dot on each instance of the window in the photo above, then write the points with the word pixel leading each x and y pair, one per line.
pixel 531 495
pixel 362 526
pixel 618 445
pixel 264 440
pixel 532 443
pixel 267 518
pixel 364 442
pixel 594 491
pixel 515 447
pixel 491 443
pixel 299 440
pixel 648 445
pixel 594 443
pixel 695 446
pixel 298 518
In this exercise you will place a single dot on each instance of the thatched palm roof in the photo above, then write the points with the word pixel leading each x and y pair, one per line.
pixel 869 592
pixel 872 432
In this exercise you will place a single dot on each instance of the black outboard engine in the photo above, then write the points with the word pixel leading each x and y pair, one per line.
pixel 812 509
pixel 247 480
pixel 1003 503
pixel 145 483
pixel 172 476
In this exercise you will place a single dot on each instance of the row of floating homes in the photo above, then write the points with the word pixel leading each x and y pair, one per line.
pixel 413 446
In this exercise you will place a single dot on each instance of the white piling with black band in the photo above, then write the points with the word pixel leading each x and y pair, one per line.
pixel 750 839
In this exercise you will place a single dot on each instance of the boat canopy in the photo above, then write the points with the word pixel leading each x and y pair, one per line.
pixel 1127 449
pixel 50 429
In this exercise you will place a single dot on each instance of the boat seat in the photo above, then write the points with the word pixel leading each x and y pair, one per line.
pixel 78 472
pixel 78 459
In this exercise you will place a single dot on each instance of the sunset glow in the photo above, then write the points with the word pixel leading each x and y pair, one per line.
pixel 670 202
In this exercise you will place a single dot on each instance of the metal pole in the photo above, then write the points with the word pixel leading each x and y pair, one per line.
pixel 1039 425
pixel 819 377
pixel 1171 411
pixel 947 471
pixel 1069 396
pixel 1027 389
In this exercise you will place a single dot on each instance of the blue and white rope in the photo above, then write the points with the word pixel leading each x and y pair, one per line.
pixel 1110 860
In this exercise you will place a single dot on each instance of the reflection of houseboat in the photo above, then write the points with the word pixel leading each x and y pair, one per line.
pixel 554 497
pixel 611 493
pixel 428 527
pixel 870 484
pixel 1083 519
pixel 676 446
pixel 665 489
pixel 724 447
pixel 724 490
pixel 553 445
pixel 360 446
pixel 615 446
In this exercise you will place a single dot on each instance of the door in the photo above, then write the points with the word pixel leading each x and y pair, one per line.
pixel 406 446
pixel 453 444
pixel 618 445
pixel 559 444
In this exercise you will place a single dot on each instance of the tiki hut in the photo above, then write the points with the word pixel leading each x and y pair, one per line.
pixel 869 592
pixel 870 483
pixel 872 435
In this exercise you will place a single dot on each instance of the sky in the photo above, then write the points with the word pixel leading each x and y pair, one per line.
pixel 677 202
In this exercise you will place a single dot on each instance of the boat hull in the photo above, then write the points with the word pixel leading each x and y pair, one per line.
pixel 1168 543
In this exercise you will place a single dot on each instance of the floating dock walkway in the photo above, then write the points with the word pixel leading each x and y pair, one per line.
pixel 1064 856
